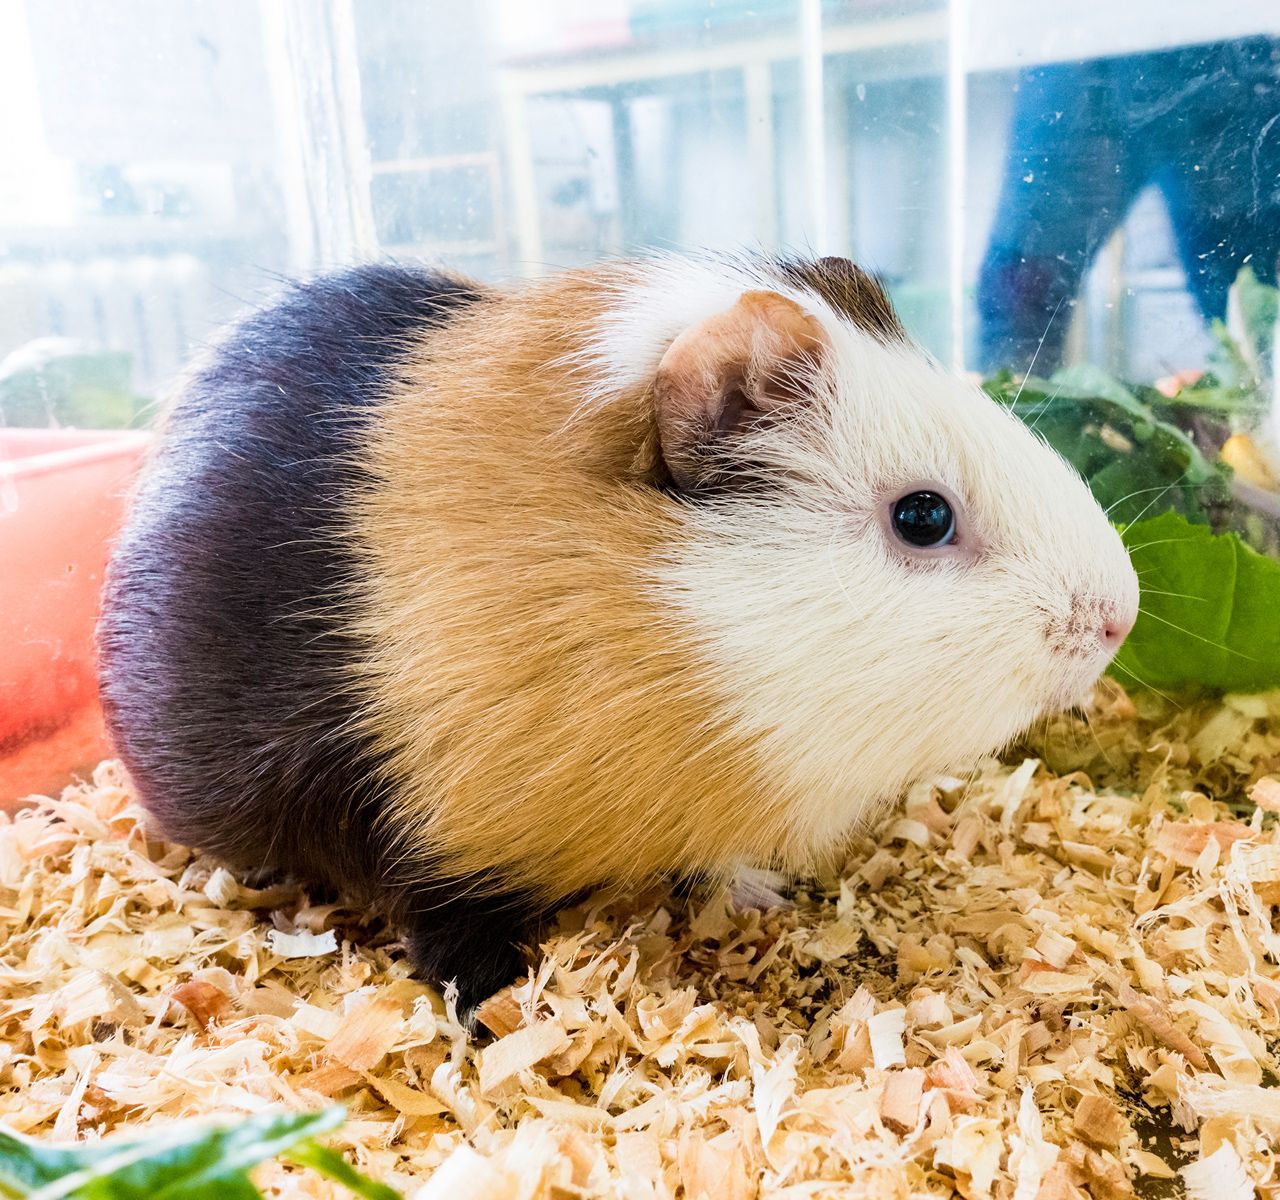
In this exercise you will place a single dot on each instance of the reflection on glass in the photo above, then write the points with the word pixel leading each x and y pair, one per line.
pixel 1198 124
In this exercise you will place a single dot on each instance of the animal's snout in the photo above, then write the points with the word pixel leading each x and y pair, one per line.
pixel 1111 621
pixel 1117 624
pixel 1092 625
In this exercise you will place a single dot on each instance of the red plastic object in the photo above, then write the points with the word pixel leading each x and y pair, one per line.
pixel 62 500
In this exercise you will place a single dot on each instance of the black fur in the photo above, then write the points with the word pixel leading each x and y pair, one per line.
pixel 222 645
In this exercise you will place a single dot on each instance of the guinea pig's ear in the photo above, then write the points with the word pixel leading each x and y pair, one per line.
pixel 730 373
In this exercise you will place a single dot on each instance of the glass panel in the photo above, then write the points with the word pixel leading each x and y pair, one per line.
pixel 174 160
pixel 887 139
pixel 141 203
pixel 168 161
pixel 1123 169
pixel 545 136
pixel 514 138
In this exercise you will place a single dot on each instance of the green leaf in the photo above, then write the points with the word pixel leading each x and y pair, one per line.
pixel 191 1162
pixel 1134 462
pixel 26 1164
pixel 1242 406
pixel 1208 610
pixel 1228 361
pixel 330 1163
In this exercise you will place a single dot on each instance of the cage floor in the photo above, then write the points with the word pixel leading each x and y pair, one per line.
pixel 1054 979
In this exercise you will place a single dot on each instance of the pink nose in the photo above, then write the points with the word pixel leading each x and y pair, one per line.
pixel 1117 622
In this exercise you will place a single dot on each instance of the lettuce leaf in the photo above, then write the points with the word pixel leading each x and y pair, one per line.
pixel 1210 602
pixel 1210 610
pixel 194 1161
pixel 1135 462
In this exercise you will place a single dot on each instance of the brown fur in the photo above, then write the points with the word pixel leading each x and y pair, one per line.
pixel 510 543
pixel 850 291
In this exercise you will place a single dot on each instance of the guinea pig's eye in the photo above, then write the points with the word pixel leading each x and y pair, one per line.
pixel 924 519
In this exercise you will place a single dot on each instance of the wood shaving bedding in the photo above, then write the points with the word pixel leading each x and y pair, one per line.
pixel 1055 979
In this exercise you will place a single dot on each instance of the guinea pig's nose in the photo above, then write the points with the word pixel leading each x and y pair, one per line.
pixel 1117 621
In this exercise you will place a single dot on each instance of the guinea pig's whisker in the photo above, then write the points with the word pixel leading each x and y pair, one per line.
pixel 1070 730
pixel 1044 407
pixel 1146 508
pixel 1119 666
pixel 1031 366
pixel 1147 545
pixel 1192 634
pixel 1088 720
pixel 1164 487
pixel 1175 595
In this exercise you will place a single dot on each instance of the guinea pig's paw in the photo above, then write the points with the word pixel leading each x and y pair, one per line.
pixel 474 946
pixel 479 977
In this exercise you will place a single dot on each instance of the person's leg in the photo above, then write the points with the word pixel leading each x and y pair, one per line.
pixel 1221 178
pixel 1069 177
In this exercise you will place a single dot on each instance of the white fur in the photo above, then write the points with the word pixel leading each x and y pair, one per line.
pixel 857 667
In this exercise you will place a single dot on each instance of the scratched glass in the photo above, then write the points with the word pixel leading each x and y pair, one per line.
pixel 1092 178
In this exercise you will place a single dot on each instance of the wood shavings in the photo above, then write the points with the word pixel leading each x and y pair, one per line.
pixel 1150 1013
pixel 365 1034
pixel 886 1030
pixel 1187 843
pixel 203 1000
pixel 1098 1120
pixel 1266 793
pixel 1221 1176
pixel 301 945
pixel 1030 1156
pixel 1054 949
pixel 900 1100
pixel 1055 979
pixel 501 1014
pixel 519 1051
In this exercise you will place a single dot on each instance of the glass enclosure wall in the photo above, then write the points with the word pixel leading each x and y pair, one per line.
pixel 1077 180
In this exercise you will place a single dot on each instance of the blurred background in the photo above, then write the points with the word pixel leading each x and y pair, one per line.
pixel 1009 167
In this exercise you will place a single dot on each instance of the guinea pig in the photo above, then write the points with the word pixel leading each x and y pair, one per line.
pixel 466 600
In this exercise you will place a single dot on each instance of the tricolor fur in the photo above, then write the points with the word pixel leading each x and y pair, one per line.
pixel 592 583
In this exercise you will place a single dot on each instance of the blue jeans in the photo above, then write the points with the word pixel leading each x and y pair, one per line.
pixel 1200 122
